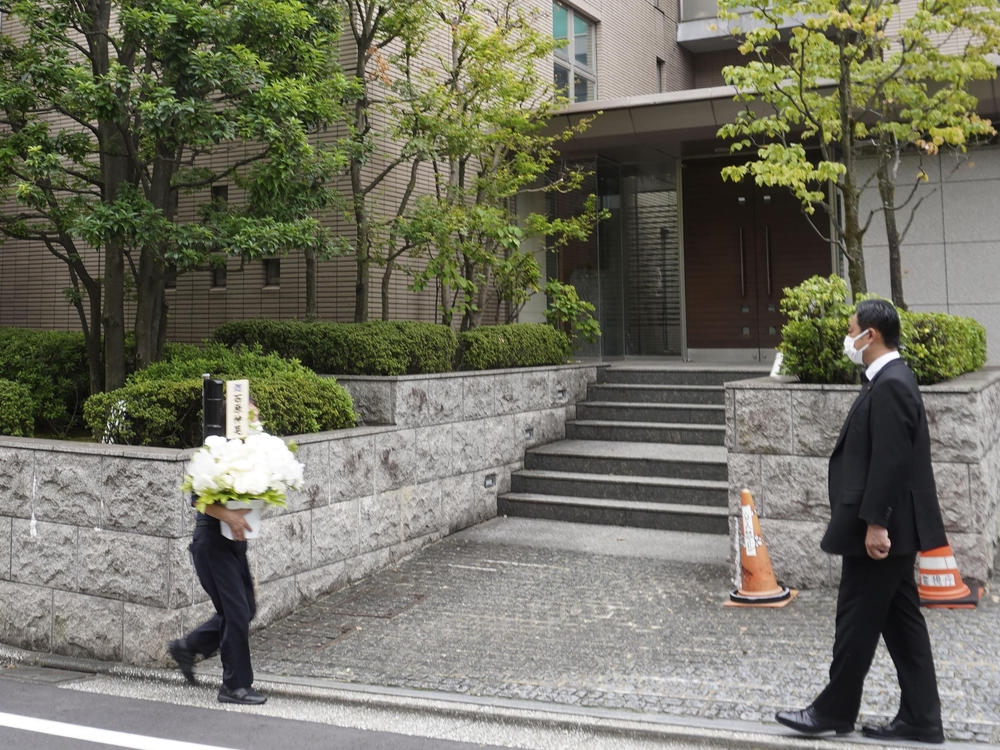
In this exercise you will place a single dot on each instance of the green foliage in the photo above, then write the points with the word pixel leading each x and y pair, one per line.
pixel 220 362
pixel 485 112
pixel 940 347
pixel 816 297
pixel 147 412
pixel 515 345
pixel 813 350
pixel 15 410
pixel 52 365
pixel 108 106
pixel 936 346
pixel 374 348
pixel 161 405
pixel 846 78
pixel 300 404
pixel 566 311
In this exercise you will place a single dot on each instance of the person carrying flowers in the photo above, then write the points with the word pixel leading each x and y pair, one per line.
pixel 260 466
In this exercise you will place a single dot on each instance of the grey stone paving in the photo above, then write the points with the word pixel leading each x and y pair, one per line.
pixel 608 618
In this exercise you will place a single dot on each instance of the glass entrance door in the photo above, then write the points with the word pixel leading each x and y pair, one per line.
pixel 629 269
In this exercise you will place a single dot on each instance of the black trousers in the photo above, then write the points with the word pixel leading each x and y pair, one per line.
pixel 222 568
pixel 880 597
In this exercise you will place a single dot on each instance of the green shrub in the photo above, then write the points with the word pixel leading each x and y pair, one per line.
pixel 940 347
pixel 52 365
pixel 147 412
pixel 375 348
pixel 161 405
pixel 936 346
pixel 298 404
pixel 513 345
pixel 220 362
pixel 16 417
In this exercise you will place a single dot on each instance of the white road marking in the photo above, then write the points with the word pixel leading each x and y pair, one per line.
pixel 103 736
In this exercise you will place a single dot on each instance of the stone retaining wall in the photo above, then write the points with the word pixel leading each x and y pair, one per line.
pixel 779 436
pixel 93 538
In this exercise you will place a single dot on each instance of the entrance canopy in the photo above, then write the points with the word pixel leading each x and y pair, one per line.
pixel 651 127
pixel 675 124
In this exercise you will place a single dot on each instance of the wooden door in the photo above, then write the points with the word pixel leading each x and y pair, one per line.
pixel 742 246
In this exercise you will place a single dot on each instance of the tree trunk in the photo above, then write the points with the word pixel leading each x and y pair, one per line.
pixel 851 231
pixel 386 276
pixel 90 324
pixel 312 305
pixel 151 313
pixel 151 308
pixel 113 320
pixel 887 192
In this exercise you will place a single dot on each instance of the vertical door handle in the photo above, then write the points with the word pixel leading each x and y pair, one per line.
pixel 743 268
pixel 767 257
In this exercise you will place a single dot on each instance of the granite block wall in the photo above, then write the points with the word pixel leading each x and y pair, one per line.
pixel 779 435
pixel 94 538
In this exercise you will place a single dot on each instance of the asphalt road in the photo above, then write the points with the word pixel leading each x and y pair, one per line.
pixel 37 714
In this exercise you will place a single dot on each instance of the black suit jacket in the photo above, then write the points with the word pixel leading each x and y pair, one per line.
pixel 880 470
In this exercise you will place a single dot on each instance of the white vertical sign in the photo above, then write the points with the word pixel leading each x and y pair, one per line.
pixel 237 408
pixel 749 538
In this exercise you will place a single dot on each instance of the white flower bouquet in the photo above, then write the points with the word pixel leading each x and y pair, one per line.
pixel 260 466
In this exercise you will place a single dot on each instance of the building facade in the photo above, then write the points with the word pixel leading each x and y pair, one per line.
pixel 686 266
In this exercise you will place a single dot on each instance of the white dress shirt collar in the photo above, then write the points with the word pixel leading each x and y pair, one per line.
pixel 876 367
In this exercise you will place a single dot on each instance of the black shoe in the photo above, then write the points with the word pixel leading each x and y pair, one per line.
pixel 808 721
pixel 244 696
pixel 184 657
pixel 897 729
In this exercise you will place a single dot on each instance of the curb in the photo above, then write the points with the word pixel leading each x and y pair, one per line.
pixel 508 714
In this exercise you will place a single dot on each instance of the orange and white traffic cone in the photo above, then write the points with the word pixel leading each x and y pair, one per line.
pixel 758 586
pixel 941 586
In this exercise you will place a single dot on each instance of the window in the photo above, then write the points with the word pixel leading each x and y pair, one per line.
pixel 170 276
pixel 661 73
pixel 574 68
pixel 219 277
pixel 220 193
pixel 272 272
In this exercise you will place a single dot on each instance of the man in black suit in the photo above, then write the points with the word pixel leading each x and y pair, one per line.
pixel 883 510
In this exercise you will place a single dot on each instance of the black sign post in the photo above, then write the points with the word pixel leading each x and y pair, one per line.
pixel 213 407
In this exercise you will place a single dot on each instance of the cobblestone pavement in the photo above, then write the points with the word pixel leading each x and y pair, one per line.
pixel 609 618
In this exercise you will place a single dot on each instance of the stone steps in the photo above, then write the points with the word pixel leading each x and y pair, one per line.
pixel 623 458
pixel 652 432
pixel 646 449
pixel 624 411
pixel 641 488
pixel 657 394
pixel 700 519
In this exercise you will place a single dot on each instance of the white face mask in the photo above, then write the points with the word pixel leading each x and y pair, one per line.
pixel 855 355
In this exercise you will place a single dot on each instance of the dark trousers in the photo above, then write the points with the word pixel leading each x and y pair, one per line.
pixel 222 568
pixel 880 597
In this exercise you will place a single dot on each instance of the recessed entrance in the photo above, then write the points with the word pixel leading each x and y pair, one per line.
pixel 743 244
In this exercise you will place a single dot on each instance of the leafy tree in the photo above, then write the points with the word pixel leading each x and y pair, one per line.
pixel 387 36
pixel 484 110
pixel 112 109
pixel 846 81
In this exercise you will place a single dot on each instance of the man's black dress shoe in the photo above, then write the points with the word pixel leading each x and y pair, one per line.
pixel 184 657
pixel 808 721
pixel 897 729
pixel 243 695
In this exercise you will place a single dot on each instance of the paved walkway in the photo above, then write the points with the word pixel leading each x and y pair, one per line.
pixel 608 618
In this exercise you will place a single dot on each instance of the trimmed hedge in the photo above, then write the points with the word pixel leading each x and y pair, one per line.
pixel 52 366
pixel 16 417
pixel 940 347
pixel 513 345
pixel 936 346
pixel 375 348
pixel 161 405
